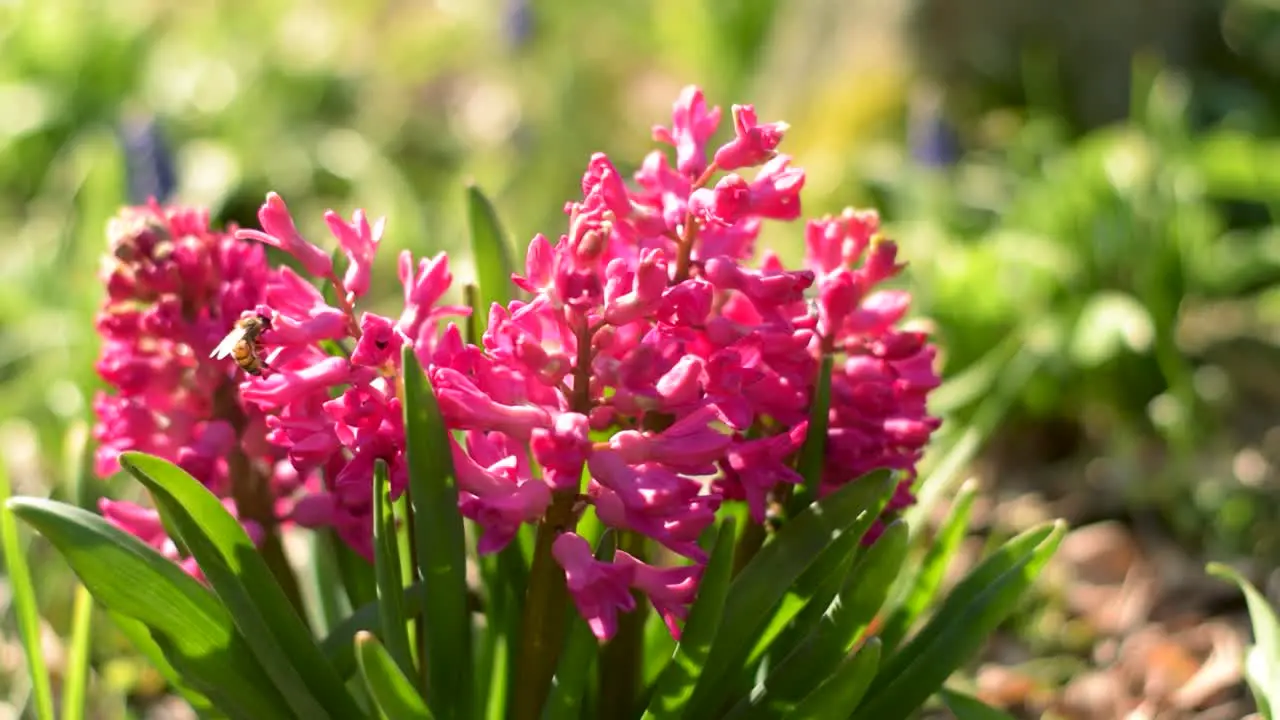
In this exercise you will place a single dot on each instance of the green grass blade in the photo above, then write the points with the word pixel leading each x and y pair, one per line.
pixel 185 621
pixel 675 685
pixel 820 654
pixel 924 586
pixel 765 580
pixel 25 607
pixel 811 461
pixel 839 694
pixel 967 707
pixel 960 626
pixel 441 546
pixel 391 691
pixel 490 252
pixel 1262 663
pixel 580 652
pixel 386 548
pixel 244 583
pixel 76 679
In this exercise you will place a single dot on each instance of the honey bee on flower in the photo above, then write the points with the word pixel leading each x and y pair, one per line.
pixel 242 344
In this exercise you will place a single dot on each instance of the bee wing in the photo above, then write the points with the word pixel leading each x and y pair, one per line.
pixel 228 344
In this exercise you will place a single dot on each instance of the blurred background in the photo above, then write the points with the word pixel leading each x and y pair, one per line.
pixel 1088 195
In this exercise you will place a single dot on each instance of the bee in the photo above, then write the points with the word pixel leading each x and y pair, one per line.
pixel 242 344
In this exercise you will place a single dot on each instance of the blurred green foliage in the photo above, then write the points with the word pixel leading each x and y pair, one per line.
pixel 1092 251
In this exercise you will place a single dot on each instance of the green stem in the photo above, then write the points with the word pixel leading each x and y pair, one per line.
pixel 623 657
pixel 543 623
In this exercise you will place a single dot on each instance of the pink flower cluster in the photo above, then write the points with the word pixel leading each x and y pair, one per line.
pixel 643 353
pixel 649 352
pixel 330 396
pixel 173 288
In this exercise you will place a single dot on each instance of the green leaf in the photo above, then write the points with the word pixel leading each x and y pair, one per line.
pixel 811 461
pixel 675 685
pixel 840 693
pixel 392 692
pixel 977 606
pixel 490 252
pixel 504 575
pixel 808 599
pixel 395 629
pixel 358 577
pixel 924 586
pixel 1262 663
pixel 327 599
pixel 244 583
pixel 76 679
pixel 580 651
pixel 967 707
pixel 441 546
pixel 765 580
pixel 191 628
pixel 140 638
pixel 25 605
pixel 864 589
pixel 338 645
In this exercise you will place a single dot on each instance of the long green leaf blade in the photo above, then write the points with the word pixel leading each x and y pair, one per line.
pixel 811 462
pixel 928 578
pixel 395 629
pixel 967 707
pixel 75 683
pixel 1262 663
pixel 441 546
pixel 184 620
pixel 765 580
pixel 490 252
pixel 839 694
pixel 338 646
pixel 392 692
pixel 505 575
pixel 139 636
pixel 809 597
pixel 241 578
pixel 820 654
pixel 25 607
pixel 958 630
pixel 969 591
pixel 675 685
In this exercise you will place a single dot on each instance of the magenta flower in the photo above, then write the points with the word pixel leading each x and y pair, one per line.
pixel 279 231
pixel 174 288
pixel 651 372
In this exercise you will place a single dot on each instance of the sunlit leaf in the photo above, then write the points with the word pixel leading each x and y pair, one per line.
pixel 675 685
pixel 392 692
pixel 185 620
pixel 766 579
pixel 25 607
pixel 238 574
pixel 441 546
pixel 1262 663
